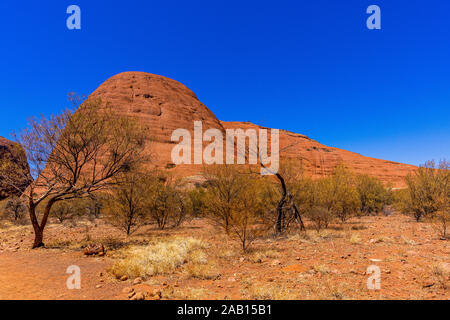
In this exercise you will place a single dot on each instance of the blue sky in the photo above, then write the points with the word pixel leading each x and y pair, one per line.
pixel 311 67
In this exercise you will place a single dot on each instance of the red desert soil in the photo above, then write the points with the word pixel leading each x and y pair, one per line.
pixel 161 105
pixel 326 265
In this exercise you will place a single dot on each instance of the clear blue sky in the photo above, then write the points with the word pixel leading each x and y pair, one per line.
pixel 311 67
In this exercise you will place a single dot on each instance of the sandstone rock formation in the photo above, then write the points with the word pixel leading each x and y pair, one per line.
pixel 13 157
pixel 162 105
pixel 319 160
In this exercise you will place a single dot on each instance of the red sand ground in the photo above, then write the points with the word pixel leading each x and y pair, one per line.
pixel 313 266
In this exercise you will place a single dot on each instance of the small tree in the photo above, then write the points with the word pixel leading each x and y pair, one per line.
pixel 94 205
pixel 15 209
pixel 428 190
pixel 63 210
pixel 165 203
pixel 195 201
pixel 125 205
pixel 372 194
pixel 441 218
pixel 81 154
pixel 320 217
pixel 236 203
pixel 338 194
pixel 224 188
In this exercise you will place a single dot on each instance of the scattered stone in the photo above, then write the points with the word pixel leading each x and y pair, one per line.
pixel 297 258
pixel 127 290
pixel 275 262
pixel 94 249
pixel 98 286
pixel 232 279
pixel 376 260
pixel 154 297
pixel 138 296
pixel 445 266
pixel 124 278
pixel 131 295
pixel 137 281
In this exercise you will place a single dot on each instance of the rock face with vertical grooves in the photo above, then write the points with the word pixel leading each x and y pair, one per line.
pixel 162 105
pixel 13 157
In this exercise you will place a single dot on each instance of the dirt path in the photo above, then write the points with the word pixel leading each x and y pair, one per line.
pixel 39 274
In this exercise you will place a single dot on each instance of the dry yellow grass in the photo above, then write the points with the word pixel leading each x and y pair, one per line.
pixel 355 239
pixel 163 257
pixel 442 275
pixel 321 268
pixel 202 271
pixel 271 291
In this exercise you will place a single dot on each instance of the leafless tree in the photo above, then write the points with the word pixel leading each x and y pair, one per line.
pixel 15 208
pixel 125 204
pixel 72 155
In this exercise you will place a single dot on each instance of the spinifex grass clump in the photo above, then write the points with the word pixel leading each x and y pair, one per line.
pixel 163 257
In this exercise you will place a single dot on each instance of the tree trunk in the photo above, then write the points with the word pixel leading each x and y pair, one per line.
pixel 299 217
pixel 38 238
pixel 39 228
pixel 279 227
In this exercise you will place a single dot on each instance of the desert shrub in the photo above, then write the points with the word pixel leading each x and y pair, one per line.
pixel 442 274
pixel 64 210
pixel 163 257
pixel 195 201
pixel 234 201
pixel 94 205
pixel 320 217
pixel 166 202
pixel 441 222
pixel 224 187
pixel 428 191
pixel 338 194
pixel 202 271
pixel 15 209
pixel 125 205
pixel 388 209
pixel 372 194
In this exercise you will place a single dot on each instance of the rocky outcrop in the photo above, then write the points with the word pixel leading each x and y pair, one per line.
pixel 161 105
pixel 13 158
pixel 319 160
